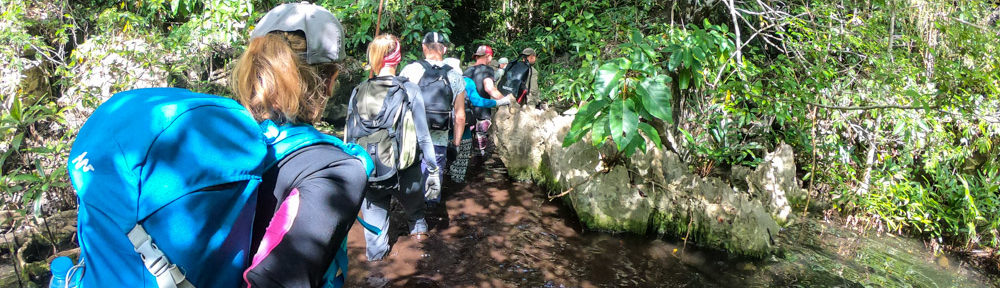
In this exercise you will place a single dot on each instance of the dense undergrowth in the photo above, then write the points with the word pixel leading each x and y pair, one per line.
pixel 893 106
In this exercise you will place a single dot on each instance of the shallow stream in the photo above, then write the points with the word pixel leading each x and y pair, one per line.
pixel 493 232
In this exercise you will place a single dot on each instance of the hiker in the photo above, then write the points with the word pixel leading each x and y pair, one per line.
pixel 309 199
pixel 501 65
pixel 483 76
pixel 380 105
pixel 443 92
pixel 529 55
pixel 179 189
pixel 458 156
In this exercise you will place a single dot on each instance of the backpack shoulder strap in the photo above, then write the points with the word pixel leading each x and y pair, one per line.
pixel 425 64
pixel 288 138
pixel 400 83
pixel 167 275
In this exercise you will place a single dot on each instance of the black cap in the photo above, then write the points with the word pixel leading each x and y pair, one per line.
pixel 435 37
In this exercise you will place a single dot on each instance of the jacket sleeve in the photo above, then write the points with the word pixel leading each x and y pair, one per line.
pixel 420 120
pixel 347 122
pixel 473 96
pixel 533 84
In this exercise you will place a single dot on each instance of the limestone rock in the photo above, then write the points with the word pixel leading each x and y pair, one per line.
pixel 656 194
pixel 775 184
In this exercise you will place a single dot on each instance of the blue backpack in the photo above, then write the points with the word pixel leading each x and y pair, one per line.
pixel 167 185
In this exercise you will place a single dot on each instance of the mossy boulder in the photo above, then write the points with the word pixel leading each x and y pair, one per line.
pixel 657 194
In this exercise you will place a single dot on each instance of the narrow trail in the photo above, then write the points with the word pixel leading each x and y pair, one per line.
pixel 493 232
pixel 476 238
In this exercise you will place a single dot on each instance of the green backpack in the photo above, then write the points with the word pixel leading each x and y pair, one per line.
pixel 380 120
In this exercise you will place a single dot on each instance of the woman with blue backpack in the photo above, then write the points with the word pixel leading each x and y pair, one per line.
pixel 308 201
pixel 385 116
pixel 183 189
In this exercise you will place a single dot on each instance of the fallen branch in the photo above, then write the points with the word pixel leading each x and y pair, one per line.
pixel 591 177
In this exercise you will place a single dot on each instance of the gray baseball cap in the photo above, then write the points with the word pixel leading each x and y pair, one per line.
pixel 324 34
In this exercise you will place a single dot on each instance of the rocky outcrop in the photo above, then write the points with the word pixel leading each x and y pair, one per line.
pixel 775 184
pixel 657 194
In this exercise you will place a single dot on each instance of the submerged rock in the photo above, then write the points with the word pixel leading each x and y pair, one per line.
pixel 658 194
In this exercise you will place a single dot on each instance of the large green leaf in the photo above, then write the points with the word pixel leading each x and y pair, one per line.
pixel 583 121
pixel 675 59
pixel 634 144
pixel 688 58
pixel 699 54
pixel 683 77
pixel 615 120
pixel 608 77
pixel 655 95
pixel 651 133
pixel 623 121
pixel 599 130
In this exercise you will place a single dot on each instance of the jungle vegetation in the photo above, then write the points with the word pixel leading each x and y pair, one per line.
pixel 892 106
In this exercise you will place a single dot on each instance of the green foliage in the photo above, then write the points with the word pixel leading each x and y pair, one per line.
pixel 901 128
pixel 902 124
pixel 24 176
pixel 627 94
pixel 409 20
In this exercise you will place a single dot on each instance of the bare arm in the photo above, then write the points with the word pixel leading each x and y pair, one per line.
pixel 459 111
pixel 491 89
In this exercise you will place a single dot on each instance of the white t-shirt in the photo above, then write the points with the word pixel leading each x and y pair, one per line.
pixel 414 71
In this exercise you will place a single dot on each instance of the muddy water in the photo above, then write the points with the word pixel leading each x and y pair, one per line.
pixel 492 232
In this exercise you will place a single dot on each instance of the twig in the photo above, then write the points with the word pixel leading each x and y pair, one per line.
pixel 736 28
pixel 591 177
pixel 968 23
pixel 52 237
pixel 687 233
pixel 812 174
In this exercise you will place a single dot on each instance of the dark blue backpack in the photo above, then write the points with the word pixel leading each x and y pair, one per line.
pixel 166 181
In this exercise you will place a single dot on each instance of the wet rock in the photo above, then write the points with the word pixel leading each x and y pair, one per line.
pixel 775 184
pixel 660 196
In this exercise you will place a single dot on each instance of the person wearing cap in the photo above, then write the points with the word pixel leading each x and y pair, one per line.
pixel 384 56
pixel 285 75
pixel 501 65
pixel 529 55
pixel 484 77
pixel 458 156
pixel 434 48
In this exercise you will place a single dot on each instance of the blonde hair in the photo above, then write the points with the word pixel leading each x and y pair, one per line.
pixel 380 46
pixel 273 82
